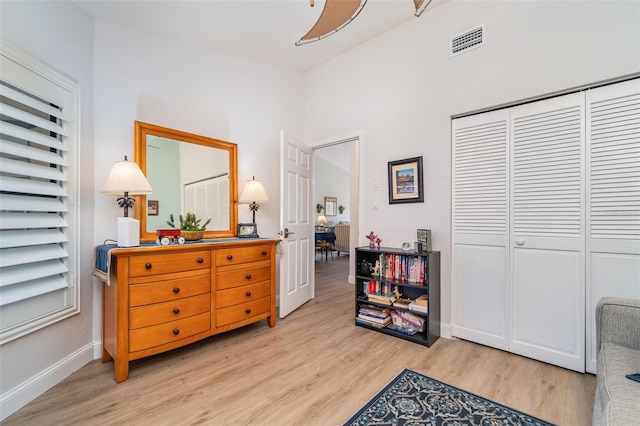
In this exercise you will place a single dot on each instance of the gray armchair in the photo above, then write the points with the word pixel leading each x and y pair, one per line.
pixel 617 400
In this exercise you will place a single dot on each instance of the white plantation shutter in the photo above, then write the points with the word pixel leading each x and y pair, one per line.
pixel 38 209
pixel 208 199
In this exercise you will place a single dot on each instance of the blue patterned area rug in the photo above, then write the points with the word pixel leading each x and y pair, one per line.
pixel 414 399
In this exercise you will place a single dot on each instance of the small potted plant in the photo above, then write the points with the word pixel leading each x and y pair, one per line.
pixel 319 208
pixel 189 226
pixel 341 209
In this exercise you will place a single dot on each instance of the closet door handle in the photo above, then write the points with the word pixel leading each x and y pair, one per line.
pixel 520 241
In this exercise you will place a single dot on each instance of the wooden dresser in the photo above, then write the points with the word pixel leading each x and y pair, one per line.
pixel 161 298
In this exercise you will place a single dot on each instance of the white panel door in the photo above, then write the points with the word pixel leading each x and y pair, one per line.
pixel 480 236
pixel 547 231
pixel 296 280
pixel 613 198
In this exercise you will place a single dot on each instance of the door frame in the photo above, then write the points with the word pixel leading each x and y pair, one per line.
pixel 356 139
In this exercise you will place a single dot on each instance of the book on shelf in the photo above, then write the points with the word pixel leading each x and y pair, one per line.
pixel 418 308
pixel 376 320
pixel 422 300
pixel 403 267
pixel 374 311
pixel 371 323
pixel 384 300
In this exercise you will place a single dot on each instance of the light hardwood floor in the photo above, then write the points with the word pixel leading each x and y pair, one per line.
pixel 314 368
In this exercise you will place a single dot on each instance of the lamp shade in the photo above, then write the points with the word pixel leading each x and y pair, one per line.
pixel 253 192
pixel 322 220
pixel 126 176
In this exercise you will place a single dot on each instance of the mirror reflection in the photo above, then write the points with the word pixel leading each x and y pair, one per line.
pixel 188 173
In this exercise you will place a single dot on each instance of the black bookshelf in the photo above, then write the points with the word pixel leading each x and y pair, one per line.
pixel 412 275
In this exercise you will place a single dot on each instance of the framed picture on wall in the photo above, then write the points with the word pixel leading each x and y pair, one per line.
pixel 330 206
pixel 153 207
pixel 405 181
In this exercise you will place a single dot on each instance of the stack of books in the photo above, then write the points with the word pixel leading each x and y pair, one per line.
pixel 373 316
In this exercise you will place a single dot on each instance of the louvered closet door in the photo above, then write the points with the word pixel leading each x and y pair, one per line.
pixel 480 234
pixel 547 231
pixel 613 199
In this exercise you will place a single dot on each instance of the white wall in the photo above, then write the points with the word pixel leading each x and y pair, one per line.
pixel 60 35
pixel 143 77
pixel 401 89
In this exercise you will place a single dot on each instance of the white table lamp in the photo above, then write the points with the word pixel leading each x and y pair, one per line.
pixel 127 179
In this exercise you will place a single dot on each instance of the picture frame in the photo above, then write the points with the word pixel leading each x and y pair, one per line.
pixel 247 230
pixel 330 206
pixel 405 181
pixel 423 237
pixel 153 207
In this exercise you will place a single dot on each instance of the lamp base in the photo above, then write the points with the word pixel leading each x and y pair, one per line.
pixel 128 232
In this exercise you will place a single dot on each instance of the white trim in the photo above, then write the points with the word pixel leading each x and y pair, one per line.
pixel 16 398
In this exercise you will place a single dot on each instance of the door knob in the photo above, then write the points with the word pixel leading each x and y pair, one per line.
pixel 519 241
pixel 286 233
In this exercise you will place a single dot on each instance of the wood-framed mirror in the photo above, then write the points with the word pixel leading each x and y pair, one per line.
pixel 188 173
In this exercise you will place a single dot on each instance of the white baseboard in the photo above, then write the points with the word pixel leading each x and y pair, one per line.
pixel 16 398
pixel 446 330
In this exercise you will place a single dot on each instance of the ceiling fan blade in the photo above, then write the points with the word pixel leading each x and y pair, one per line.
pixel 421 5
pixel 335 16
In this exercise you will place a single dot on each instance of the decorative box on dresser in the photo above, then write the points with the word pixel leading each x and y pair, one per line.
pixel 159 298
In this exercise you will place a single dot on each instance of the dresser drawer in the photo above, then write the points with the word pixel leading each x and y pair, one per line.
pixel 247 293
pixel 242 311
pixel 158 313
pixel 154 264
pixel 163 291
pixel 148 337
pixel 237 278
pixel 242 255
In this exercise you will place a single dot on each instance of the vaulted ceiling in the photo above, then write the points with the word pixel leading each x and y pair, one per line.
pixel 261 29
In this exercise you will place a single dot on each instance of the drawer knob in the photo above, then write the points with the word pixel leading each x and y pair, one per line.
pixel 176 290
pixel 200 260
pixel 248 294
pixel 248 276
pixel 248 310
pixel 264 252
pixel 147 265
pixel 229 257
pixel 176 331
pixel 176 311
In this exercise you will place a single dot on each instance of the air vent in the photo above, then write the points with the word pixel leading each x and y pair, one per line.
pixel 467 40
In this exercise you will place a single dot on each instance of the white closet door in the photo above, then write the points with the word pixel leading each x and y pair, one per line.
pixel 547 231
pixel 613 199
pixel 480 237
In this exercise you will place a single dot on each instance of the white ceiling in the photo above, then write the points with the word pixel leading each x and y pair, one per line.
pixel 261 29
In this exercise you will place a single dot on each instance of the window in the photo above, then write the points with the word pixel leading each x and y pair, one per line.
pixel 39 203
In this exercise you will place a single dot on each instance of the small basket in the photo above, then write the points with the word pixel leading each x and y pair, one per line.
pixel 192 235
